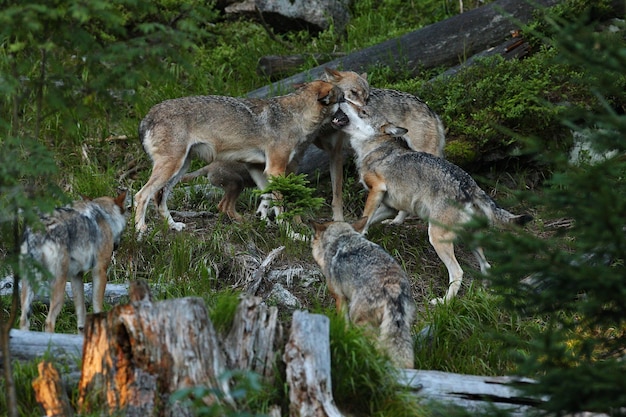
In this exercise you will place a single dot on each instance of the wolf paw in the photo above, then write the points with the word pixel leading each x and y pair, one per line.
pixel 438 300
pixel 178 226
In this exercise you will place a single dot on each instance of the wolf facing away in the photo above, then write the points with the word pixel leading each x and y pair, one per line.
pixel 76 239
pixel 368 285
pixel 269 133
pixel 419 183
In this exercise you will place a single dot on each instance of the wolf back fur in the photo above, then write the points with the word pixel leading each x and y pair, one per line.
pixel 369 284
pixel 270 132
pixel 75 239
pixel 419 183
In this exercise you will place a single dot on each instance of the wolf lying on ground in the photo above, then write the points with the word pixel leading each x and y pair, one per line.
pixel 368 285
pixel 419 183
pixel 270 133
pixel 426 134
pixel 76 239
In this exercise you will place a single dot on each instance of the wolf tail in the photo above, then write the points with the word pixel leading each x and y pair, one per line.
pixel 395 331
pixel 497 214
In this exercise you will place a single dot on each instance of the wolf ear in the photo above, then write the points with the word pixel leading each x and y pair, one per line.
pixel 393 130
pixel 317 226
pixel 332 74
pixel 120 200
pixel 330 95
pixel 364 76
pixel 359 225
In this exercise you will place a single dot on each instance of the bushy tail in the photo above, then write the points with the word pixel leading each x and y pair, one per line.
pixel 497 214
pixel 395 331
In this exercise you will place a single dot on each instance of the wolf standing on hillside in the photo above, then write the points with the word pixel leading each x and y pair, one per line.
pixel 419 183
pixel 374 286
pixel 426 134
pixel 76 239
pixel 271 132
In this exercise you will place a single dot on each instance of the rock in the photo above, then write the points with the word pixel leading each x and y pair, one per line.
pixel 293 15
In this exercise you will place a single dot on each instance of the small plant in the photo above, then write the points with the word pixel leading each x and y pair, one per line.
pixel 292 194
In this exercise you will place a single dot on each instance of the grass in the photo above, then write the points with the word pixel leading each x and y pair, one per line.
pixel 466 336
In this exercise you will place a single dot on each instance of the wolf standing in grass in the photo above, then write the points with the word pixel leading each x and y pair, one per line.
pixel 370 281
pixel 268 132
pixel 419 183
pixel 76 239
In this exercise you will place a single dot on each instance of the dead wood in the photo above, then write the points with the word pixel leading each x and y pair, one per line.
pixel 50 392
pixel 254 339
pixel 137 355
pixel 444 43
pixel 307 356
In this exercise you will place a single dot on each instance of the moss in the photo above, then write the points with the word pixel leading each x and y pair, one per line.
pixel 461 152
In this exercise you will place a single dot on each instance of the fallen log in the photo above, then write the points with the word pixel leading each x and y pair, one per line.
pixel 113 293
pixel 276 66
pixel 444 43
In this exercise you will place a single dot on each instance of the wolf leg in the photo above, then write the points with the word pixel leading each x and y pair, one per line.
pixel 335 156
pixel 57 293
pixel 164 172
pixel 26 299
pixel 78 294
pixel 442 239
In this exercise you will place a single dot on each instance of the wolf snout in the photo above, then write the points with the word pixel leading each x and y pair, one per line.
pixel 340 119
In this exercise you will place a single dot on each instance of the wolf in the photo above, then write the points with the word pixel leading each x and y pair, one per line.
pixel 368 285
pixel 426 133
pixel 259 132
pixel 419 183
pixel 75 239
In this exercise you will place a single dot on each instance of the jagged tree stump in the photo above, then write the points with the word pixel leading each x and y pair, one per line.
pixel 307 355
pixel 136 355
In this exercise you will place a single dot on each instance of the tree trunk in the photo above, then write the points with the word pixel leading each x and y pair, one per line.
pixel 444 43
pixel 136 355
pixel 307 355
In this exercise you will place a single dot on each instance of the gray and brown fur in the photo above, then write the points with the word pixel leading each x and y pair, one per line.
pixel 368 285
pixel 75 239
pixel 419 183
pixel 267 132
pixel 426 133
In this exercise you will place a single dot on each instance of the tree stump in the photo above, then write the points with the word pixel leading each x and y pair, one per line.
pixel 254 338
pixel 136 355
pixel 307 355
pixel 50 392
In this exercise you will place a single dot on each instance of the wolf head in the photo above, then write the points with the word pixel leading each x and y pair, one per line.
pixel 364 123
pixel 354 86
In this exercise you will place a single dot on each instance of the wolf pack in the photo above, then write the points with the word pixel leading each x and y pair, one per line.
pixel 398 146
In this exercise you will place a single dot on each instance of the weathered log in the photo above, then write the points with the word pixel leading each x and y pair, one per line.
pixel 64 348
pixel 471 392
pixel 276 66
pixel 254 338
pixel 137 355
pixel 443 43
pixel 307 355
pixel 50 392
pixel 113 293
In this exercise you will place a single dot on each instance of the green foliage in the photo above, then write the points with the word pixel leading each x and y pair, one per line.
pixel 364 381
pixel 295 197
pixel 243 384
pixel 577 273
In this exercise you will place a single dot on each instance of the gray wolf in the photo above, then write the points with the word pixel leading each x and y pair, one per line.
pixel 419 183
pixel 426 133
pixel 75 239
pixel 368 285
pixel 259 132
